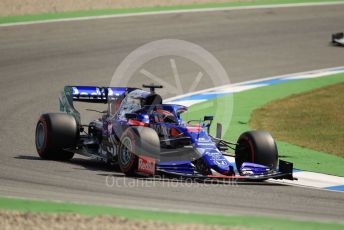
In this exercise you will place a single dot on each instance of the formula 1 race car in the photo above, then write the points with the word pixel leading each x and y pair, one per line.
pixel 338 39
pixel 140 135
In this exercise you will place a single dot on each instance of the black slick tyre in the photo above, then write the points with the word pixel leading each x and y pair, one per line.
pixel 256 147
pixel 54 133
pixel 137 141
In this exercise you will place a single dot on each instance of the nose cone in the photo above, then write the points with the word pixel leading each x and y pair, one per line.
pixel 222 166
pixel 217 162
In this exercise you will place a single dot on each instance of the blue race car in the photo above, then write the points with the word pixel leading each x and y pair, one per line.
pixel 142 136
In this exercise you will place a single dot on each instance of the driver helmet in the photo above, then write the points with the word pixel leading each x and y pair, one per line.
pixel 162 115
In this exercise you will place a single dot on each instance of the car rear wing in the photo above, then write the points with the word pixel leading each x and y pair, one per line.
pixel 90 94
pixel 95 94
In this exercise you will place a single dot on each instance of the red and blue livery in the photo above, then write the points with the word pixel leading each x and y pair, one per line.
pixel 141 135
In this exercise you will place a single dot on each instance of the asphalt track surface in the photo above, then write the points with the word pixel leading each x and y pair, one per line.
pixel 36 61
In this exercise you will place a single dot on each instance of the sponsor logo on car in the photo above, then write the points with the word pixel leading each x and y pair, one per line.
pixel 146 165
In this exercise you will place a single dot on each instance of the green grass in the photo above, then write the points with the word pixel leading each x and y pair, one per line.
pixel 247 101
pixel 172 217
pixel 62 15
pixel 312 119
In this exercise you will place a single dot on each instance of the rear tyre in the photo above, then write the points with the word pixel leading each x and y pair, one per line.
pixel 137 141
pixel 256 147
pixel 54 133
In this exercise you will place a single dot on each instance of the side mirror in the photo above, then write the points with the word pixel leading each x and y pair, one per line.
pixel 208 118
pixel 131 116
pixel 218 130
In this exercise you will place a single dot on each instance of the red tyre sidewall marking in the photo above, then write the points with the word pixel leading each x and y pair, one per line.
pixel 251 147
pixel 43 121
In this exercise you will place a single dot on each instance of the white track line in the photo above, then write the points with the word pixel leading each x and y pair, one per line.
pixel 172 12
pixel 245 85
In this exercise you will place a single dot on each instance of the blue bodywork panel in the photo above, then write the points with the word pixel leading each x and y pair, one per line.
pixel 173 134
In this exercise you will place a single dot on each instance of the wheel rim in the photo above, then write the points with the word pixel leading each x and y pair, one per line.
pixel 126 151
pixel 40 136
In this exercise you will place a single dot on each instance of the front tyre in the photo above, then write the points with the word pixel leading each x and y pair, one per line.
pixel 137 141
pixel 127 160
pixel 256 147
pixel 54 133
